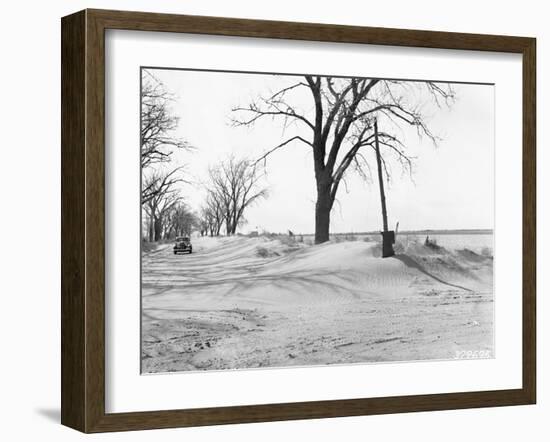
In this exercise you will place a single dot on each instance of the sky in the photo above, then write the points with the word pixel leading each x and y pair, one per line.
pixel 452 186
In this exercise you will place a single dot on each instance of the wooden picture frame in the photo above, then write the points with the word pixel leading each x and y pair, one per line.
pixel 83 220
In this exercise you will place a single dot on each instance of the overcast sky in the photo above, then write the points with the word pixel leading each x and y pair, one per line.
pixel 453 184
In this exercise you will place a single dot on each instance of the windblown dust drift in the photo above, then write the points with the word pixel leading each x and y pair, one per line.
pixel 260 302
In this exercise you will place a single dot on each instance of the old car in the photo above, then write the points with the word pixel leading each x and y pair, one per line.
pixel 183 244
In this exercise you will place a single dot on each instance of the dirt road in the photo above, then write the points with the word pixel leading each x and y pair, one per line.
pixel 259 302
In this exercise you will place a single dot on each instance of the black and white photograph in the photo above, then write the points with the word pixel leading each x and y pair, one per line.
pixel 304 220
pixel 265 221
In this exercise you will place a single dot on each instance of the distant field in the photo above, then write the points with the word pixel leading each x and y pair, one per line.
pixel 479 241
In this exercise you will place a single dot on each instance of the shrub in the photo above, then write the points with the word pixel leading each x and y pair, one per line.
pixel 262 252
pixel 431 243
pixel 287 240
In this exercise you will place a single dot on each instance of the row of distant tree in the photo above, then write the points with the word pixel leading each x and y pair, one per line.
pixel 335 117
pixel 232 185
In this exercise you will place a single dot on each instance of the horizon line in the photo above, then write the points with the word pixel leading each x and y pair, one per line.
pixel 372 232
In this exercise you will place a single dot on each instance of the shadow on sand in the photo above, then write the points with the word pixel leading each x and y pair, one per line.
pixel 410 262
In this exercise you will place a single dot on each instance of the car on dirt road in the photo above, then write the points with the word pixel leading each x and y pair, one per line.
pixel 183 244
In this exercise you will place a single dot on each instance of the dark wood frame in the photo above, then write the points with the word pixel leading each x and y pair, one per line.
pixel 83 217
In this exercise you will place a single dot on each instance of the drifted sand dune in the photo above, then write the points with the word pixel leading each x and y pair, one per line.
pixel 266 302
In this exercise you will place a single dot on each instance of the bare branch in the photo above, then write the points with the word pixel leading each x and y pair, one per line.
pixel 284 143
pixel 158 123
pixel 234 186
pixel 344 109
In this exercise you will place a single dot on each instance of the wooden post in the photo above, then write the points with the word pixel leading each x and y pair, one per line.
pixel 388 237
pixel 380 176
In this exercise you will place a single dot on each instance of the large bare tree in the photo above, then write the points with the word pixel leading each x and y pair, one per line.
pixel 337 118
pixel 234 186
pixel 158 140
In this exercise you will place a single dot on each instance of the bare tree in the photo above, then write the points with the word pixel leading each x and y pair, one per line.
pixel 234 186
pixel 339 124
pixel 212 214
pixel 158 122
pixel 204 222
pixel 164 197
pixel 159 182
pixel 180 221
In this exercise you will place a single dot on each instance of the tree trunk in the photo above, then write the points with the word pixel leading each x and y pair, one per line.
pixel 158 229
pixel 323 207
pixel 234 222
pixel 151 230
pixel 228 224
